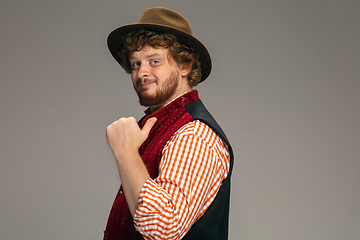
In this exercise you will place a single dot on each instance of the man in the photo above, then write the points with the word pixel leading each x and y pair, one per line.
pixel 175 163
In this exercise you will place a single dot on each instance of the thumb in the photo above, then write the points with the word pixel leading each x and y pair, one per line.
pixel 148 125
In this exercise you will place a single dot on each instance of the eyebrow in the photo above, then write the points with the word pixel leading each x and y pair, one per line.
pixel 153 55
pixel 148 56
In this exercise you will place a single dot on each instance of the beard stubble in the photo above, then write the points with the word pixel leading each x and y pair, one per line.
pixel 163 93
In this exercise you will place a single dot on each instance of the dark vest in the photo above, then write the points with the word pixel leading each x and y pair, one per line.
pixel 214 222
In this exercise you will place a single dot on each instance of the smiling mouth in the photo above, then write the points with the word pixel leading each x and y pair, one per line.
pixel 146 84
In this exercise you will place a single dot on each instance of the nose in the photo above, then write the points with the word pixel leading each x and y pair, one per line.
pixel 144 71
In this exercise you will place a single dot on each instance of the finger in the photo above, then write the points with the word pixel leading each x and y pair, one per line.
pixel 148 125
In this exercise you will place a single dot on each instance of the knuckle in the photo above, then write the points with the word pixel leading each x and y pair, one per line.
pixel 107 131
pixel 127 119
pixel 132 119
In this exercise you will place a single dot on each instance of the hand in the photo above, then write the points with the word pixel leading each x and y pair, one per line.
pixel 125 137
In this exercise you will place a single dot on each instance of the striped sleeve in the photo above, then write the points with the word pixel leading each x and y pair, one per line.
pixel 194 163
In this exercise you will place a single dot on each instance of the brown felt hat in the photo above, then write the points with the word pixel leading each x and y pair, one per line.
pixel 162 20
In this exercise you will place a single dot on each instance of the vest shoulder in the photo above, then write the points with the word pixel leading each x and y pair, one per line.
pixel 198 111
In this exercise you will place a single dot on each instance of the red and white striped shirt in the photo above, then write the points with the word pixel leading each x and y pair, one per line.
pixel 194 163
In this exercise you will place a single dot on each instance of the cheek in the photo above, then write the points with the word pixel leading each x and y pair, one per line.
pixel 133 77
pixel 161 73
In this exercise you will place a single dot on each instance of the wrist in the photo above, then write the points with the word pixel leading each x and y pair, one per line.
pixel 127 156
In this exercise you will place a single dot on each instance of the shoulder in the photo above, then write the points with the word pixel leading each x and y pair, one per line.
pixel 197 140
pixel 200 131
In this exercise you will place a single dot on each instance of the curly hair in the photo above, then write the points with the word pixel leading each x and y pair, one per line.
pixel 183 55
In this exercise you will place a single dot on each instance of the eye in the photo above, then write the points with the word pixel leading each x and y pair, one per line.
pixel 154 62
pixel 135 65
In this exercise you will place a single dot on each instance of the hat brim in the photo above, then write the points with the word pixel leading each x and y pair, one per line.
pixel 116 38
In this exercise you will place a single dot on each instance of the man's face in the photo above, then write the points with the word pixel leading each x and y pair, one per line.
pixel 155 79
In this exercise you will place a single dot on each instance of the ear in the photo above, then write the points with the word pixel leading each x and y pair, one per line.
pixel 185 69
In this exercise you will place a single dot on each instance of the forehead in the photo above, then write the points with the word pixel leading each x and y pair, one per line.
pixel 149 52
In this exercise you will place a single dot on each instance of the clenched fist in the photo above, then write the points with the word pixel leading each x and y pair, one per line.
pixel 125 137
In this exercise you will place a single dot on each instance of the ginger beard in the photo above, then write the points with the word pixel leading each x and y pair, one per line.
pixel 163 93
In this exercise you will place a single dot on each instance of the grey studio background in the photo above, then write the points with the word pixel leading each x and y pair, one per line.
pixel 284 87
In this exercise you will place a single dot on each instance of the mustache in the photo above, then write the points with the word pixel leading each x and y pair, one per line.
pixel 139 82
